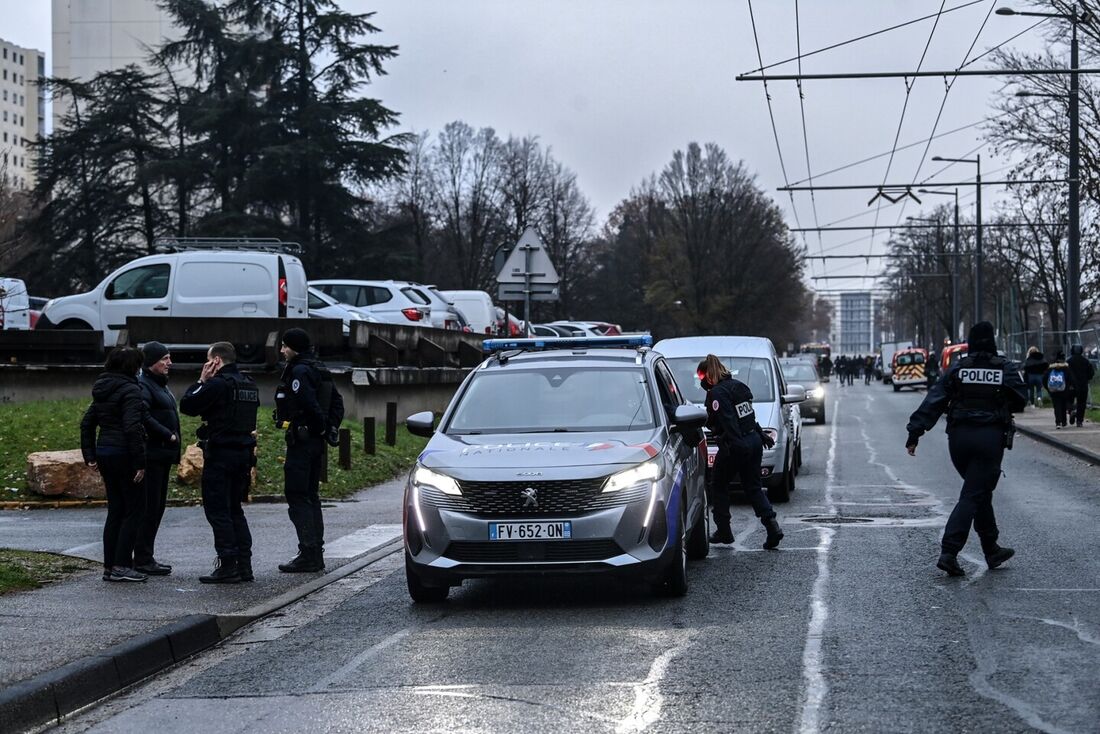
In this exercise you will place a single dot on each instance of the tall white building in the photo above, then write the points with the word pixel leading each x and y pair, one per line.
pixel 22 111
pixel 91 36
pixel 853 327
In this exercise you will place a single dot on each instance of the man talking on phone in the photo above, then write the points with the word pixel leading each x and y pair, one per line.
pixel 227 401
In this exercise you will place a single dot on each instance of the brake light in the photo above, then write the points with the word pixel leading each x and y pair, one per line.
pixel 412 314
pixel 282 292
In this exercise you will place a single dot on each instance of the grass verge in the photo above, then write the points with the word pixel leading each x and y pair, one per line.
pixel 54 425
pixel 23 570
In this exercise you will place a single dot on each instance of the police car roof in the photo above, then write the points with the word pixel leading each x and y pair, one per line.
pixel 578 357
pixel 722 346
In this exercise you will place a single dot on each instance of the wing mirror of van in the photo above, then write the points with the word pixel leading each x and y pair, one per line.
pixel 795 394
pixel 421 424
pixel 689 417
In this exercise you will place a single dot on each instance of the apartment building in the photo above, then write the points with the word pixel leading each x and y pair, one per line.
pixel 22 112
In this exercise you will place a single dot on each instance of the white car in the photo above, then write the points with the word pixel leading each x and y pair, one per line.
pixel 15 305
pixel 200 278
pixel 322 306
pixel 477 308
pixel 389 301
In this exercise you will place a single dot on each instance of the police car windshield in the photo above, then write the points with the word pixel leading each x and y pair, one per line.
pixel 566 399
pixel 753 371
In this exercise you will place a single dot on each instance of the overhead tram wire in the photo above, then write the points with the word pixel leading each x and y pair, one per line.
pixel 805 134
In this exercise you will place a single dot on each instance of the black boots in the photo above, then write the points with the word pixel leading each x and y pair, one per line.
pixel 225 571
pixel 775 533
pixel 997 555
pixel 722 533
pixel 950 564
pixel 244 569
pixel 153 568
pixel 304 562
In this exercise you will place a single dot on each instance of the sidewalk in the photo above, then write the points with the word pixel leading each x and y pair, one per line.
pixel 46 628
pixel 1083 442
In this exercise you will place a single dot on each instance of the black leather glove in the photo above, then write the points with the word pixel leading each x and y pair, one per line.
pixel 913 440
pixel 767 440
pixel 332 436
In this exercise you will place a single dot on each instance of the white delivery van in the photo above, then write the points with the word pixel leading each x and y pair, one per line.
pixel 200 278
pixel 15 305
pixel 477 307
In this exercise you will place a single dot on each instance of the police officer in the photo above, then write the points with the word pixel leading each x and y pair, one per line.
pixel 978 394
pixel 227 401
pixel 309 408
pixel 741 443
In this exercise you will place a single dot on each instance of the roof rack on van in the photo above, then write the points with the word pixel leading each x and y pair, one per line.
pixel 259 244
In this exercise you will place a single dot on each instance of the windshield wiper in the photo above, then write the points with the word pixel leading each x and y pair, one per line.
pixel 546 430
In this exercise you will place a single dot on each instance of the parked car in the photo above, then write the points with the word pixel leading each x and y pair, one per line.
pixel 477 307
pixel 37 304
pixel 550 330
pixel 579 328
pixel 753 361
pixel 196 279
pixel 324 306
pixel 15 306
pixel 515 325
pixel 801 371
pixel 389 301
pixel 596 470
pixel 454 318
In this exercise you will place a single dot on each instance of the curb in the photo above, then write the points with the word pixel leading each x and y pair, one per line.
pixel 1080 453
pixel 47 698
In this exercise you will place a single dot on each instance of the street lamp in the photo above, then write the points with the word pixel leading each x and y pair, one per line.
pixel 978 231
pixel 955 316
pixel 1073 274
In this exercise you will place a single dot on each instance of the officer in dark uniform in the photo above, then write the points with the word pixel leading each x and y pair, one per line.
pixel 309 408
pixel 978 394
pixel 227 401
pixel 741 443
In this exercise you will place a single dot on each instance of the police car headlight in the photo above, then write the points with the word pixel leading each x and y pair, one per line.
pixel 647 472
pixel 425 477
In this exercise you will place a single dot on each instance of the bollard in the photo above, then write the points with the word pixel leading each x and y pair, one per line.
pixel 391 424
pixel 345 448
pixel 368 435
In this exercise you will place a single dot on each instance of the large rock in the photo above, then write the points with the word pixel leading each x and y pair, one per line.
pixel 190 468
pixel 63 473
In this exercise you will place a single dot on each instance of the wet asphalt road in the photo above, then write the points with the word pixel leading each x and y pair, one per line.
pixel 849 627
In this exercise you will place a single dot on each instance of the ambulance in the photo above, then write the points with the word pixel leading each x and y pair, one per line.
pixel 908 368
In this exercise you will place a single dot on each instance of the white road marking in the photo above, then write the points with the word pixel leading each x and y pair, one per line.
pixel 356 662
pixel 78 549
pixel 813 665
pixel 647 694
pixel 362 541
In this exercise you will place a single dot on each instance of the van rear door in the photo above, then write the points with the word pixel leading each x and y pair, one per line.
pixel 293 288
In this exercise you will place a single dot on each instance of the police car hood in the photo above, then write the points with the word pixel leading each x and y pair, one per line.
pixel 534 451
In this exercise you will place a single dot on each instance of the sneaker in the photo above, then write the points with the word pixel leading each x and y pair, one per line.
pixel 122 573
pixel 1058 427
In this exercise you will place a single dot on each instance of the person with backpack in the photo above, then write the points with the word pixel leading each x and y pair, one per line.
pixel 1083 372
pixel 1035 367
pixel 1059 382
pixel 310 409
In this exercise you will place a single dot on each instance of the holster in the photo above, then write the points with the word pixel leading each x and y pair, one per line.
pixel 1010 433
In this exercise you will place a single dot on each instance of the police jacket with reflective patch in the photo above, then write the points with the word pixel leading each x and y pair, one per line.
pixel 980 389
pixel 730 414
pixel 227 403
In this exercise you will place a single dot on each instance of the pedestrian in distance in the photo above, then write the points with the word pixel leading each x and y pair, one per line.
pixel 112 440
pixel 868 369
pixel 309 408
pixel 1035 367
pixel 1062 386
pixel 227 401
pixel 741 444
pixel 162 450
pixel 1083 372
pixel 978 394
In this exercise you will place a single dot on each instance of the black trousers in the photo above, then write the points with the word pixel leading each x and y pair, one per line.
pixel 156 495
pixel 1061 402
pixel 976 452
pixel 125 510
pixel 1080 403
pixel 741 460
pixel 301 485
pixel 225 474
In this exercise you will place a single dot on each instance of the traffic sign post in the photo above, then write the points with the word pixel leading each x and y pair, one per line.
pixel 528 275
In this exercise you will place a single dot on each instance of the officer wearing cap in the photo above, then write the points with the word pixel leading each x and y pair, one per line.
pixel 309 409
pixel 227 400
pixel 978 394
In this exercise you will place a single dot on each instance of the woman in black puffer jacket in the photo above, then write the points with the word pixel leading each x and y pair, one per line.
pixel 118 411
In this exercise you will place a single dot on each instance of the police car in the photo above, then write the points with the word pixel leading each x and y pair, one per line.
pixel 570 455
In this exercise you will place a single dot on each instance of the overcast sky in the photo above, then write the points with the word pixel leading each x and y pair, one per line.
pixel 615 86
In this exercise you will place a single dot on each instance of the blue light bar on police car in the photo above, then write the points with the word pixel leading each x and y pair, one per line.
pixel 566 342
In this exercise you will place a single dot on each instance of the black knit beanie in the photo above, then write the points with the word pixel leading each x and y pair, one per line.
pixel 297 339
pixel 981 338
pixel 153 353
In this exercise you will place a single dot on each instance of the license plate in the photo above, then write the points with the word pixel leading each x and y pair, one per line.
pixel 562 530
pixel 712 451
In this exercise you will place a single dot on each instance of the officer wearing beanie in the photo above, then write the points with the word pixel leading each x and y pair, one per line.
pixel 162 450
pixel 978 394
pixel 309 409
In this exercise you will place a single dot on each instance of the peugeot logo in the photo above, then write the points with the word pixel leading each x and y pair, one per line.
pixel 530 498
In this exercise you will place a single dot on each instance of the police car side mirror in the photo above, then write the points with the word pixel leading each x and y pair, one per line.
pixel 795 394
pixel 689 417
pixel 421 424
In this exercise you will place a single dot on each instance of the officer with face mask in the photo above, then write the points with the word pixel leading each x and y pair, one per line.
pixel 978 394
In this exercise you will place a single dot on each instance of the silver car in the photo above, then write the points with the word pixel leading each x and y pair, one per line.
pixel 753 361
pixel 559 456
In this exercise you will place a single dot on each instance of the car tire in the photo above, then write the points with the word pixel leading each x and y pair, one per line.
pixel 698 543
pixel 820 420
pixel 782 491
pixel 420 592
pixel 674 580
pixel 897 388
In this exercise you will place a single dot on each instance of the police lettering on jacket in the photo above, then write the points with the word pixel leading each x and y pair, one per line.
pixel 981 389
pixel 729 408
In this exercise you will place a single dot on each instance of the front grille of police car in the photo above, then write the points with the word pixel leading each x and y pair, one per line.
pixel 560 551
pixel 555 497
